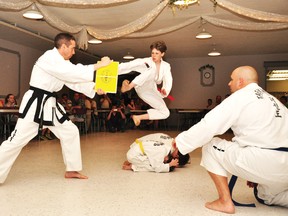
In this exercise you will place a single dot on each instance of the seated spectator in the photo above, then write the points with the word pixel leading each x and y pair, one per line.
pixel 91 109
pixel 105 102
pixel 209 104
pixel 283 100
pixel 66 102
pixel 46 134
pixel 78 107
pixel 10 101
pixel 116 119
pixel 218 100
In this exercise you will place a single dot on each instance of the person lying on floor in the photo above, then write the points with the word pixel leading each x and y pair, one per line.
pixel 154 153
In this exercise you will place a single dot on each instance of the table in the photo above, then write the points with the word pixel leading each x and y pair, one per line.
pixel 5 117
pixel 189 117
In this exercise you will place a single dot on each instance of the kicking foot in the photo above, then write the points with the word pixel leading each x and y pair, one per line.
pixel 125 86
pixel 74 174
pixel 136 120
pixel 221 206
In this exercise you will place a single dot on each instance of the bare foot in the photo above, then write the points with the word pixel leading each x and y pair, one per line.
pixel 221 206
pixel 126 162
pixel 75 174
pixel 127 167
pixel 136 120
pixel 125 86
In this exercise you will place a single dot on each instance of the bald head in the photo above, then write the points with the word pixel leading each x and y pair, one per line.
pixel 247 73
pixel 242 76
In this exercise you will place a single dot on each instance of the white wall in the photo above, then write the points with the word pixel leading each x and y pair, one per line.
pixel 28 57
pixel 187 89
pixel 189 93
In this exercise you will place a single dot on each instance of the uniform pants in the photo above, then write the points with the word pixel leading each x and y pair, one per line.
pixel 139 161
pixel 26 130
pixel 269 170
pixel 146 89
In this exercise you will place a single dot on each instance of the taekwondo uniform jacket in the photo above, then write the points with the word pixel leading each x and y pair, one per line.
pixel 258 120
pixel 154 148
pixel 50 73
pixel 142 65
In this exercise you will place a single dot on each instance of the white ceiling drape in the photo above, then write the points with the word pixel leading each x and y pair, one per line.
pixel 264 21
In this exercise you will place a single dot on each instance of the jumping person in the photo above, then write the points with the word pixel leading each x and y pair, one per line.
pixel 39 108
pixel 153 71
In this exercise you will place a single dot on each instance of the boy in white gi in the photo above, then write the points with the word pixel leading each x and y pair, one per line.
pixel 153 71
pixel 39 108
pixel 154 153
pixel 258 150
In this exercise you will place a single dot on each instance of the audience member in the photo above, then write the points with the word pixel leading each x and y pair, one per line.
pixel 258 150
pixel 283 100
pixel 91 109
pixel 46 133
pixel 154 153
pixel 66 102
pixel 10 101
pixel 209 104
pixel 218 100
pixel 105 102
pixel 116 119
pixel 78 107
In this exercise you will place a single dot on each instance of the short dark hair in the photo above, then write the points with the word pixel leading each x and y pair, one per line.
pixel 183 159
pixel 63 38
pixel 159 45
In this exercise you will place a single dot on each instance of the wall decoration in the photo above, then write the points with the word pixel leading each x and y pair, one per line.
pixel 207 75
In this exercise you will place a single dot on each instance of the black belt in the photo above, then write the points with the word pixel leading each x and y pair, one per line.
pixel 38 94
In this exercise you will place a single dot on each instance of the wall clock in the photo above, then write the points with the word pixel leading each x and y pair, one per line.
pixel 207 75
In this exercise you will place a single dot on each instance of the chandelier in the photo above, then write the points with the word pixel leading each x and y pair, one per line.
pixel 182 3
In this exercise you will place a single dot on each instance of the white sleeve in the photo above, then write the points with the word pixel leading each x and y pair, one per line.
pixel 157 161
pixel 216 122
pixel 135 65
pixel 85 88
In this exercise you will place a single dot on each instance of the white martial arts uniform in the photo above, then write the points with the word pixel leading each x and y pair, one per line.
pixel 146 84
pixel 50 73
pixel 156 147
pixel 260 123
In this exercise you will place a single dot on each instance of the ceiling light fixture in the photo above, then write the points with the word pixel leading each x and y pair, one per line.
pixel 94 41
pixel 128 56
pixel 33 14
pixel 203 35
pixel 214 53
pixel 277 75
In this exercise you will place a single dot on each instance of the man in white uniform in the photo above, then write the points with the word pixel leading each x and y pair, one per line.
pixel 258 150
pixel 39 108
pixel 154 153
pixel 153 71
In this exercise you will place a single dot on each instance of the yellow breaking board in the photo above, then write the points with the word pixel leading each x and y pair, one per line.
pixel 107 77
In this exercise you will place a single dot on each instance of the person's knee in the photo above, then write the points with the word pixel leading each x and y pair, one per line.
pixel 165 113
